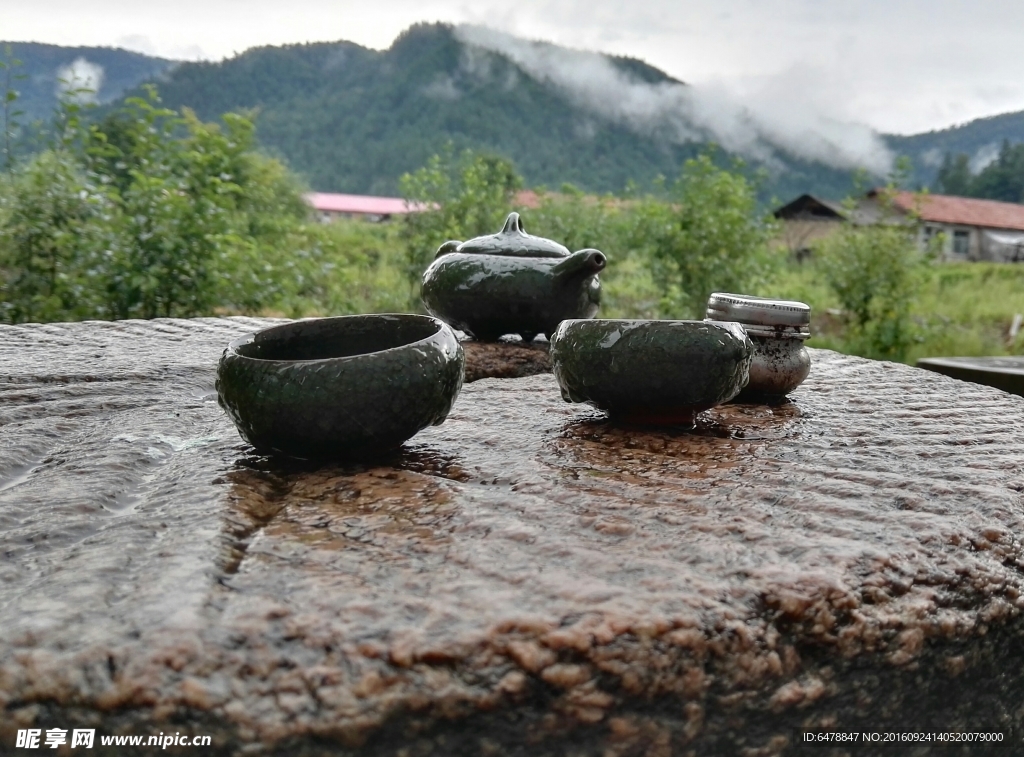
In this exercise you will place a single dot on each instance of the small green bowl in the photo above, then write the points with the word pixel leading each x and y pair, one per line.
pixel 352 386
pixel 659 373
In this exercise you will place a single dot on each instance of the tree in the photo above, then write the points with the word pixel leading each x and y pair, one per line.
pixel 876 273
pixel 954 177
pixel 1003 178
pixel 709 236
pixel 467 196
pixel 9 95
pixel 149 213
pixel 52 235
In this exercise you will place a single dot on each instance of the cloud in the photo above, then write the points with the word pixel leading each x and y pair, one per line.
pixel 770 118
pixel 80 81
pixel 442 88
pixel 983 157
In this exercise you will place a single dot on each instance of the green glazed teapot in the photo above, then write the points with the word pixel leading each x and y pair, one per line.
pixel 511 283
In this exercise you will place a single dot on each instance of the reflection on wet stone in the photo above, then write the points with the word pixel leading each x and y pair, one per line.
pixel 526 578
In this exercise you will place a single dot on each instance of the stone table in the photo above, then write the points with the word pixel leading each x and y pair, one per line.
pixel 525 579
pixel 1006 373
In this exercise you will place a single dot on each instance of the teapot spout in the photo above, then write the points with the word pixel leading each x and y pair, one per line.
pixel 579 265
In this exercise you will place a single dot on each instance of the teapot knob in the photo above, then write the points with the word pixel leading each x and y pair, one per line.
pixel 513 224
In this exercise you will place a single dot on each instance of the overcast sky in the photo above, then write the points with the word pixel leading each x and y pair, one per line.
pixel 897 65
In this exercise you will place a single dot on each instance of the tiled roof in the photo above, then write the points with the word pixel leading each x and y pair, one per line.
pixel 339 203
pixel 964 211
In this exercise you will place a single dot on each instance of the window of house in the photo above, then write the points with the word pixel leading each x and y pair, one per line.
pixel 961 242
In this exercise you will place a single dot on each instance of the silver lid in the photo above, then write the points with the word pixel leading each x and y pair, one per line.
pixel 758 311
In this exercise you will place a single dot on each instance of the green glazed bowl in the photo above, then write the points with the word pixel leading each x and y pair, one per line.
pixel 352 386
pixel 658 373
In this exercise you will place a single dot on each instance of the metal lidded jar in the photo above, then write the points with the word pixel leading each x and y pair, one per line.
pixel 778 329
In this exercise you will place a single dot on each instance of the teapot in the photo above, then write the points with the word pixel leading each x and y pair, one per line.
pixel 511 283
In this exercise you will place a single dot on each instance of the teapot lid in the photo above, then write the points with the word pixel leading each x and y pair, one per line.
pixel 513 240
pixel 758 311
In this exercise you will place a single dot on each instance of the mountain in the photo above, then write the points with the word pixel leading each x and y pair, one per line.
pixel 351 119
pixel 979 139
pixel 114 70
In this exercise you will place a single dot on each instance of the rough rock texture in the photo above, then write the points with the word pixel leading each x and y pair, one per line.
pixel 525 579
pixel 505 359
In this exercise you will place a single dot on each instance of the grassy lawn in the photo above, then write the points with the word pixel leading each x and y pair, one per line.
pixel 962 309
pixel 352 266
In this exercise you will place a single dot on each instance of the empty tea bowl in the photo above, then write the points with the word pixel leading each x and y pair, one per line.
pixel 650 372
pixel 349 386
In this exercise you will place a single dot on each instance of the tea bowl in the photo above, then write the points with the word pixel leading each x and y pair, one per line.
pixel 349 386
pixel 658 373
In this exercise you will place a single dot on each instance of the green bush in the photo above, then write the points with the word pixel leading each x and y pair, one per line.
pixel 148 213
pixel 876 273
pixel 468 195
pixel 708 236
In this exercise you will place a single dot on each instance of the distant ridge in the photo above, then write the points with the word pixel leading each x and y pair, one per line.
pixel 353 120
pixel 42 64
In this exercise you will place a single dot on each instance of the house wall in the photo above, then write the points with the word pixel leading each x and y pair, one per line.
pixel 977 248
pixel 958 242
pixel 798 235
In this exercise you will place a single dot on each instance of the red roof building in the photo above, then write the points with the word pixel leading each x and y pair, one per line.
pixel 329 206
pixel 971 229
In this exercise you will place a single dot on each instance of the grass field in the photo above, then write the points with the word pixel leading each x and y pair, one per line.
pixel 962 308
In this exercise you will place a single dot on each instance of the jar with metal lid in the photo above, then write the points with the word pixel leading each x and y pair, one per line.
pixel 778 329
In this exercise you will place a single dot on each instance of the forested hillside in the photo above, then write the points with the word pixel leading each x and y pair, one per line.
pixel 351 119
pixel 41 66
pixel 980 140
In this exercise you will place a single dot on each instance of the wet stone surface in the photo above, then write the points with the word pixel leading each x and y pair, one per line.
pixel 509 359
pixel 525 579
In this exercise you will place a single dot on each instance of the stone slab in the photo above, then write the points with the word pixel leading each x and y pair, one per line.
pixel 1006 373
pixel 525 579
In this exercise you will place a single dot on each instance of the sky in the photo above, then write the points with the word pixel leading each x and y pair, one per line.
pixel 898 66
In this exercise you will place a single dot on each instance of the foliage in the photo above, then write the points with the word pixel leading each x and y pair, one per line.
pixel 708 238
pixel 876 274
pixel 948 316
pixel 149 213
pixel 8 99
pixel 1002 179
pixel 578 220
pixel 343 267
pixel 52 233
pixel 468 195
pixel 954 177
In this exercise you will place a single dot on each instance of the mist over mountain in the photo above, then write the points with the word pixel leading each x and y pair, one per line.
pixel 108 72
pixel 980 140
pixel 352 119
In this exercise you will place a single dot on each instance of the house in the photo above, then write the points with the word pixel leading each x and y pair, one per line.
pixel 806 220
pixel 329 206
pixel 974 229
pixel 971 229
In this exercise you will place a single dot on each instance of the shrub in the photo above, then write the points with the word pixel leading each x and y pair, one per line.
pixel 708 237
pixel 148 213
pixel 876 273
